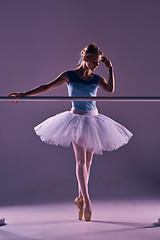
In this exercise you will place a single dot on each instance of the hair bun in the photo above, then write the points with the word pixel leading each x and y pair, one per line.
pixel 91 49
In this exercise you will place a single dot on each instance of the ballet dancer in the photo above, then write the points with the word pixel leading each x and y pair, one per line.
pixel 89 131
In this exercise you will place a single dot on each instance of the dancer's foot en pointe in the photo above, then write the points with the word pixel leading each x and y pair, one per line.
pixel 80 203
pixel 87 210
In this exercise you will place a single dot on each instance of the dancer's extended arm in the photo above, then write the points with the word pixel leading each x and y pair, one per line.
pixel 62 78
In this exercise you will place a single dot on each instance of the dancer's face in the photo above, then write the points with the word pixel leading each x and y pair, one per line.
pixel 92 62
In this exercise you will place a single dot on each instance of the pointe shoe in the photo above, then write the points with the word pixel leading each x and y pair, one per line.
pixel 80 207
pixel 87 214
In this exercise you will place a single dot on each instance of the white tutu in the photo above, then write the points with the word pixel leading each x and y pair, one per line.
pixel 92 132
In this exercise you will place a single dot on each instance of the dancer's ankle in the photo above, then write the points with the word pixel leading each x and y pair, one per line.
pixel 80 196
pixel 87 203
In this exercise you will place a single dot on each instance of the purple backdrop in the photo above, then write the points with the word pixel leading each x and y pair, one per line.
pixel 40 39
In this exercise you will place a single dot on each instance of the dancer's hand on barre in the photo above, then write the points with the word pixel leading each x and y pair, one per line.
pixel 16 95
pixel 107 62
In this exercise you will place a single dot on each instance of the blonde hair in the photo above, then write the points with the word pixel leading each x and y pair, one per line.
pixel 89 50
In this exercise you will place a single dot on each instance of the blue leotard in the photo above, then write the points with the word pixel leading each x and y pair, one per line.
pixel 78 87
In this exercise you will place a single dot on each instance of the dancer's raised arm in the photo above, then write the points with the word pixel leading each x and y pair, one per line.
pixel 62 78
pixel 110 85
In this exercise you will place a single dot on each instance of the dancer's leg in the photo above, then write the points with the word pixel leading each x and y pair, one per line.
pixel 81 170
pixel 89 157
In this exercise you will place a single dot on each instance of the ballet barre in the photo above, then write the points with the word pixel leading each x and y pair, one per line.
pixel 104 99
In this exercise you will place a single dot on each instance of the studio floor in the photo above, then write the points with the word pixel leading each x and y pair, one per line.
pixel 127 220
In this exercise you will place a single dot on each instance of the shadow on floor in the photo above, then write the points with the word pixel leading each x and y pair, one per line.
pixel 138 225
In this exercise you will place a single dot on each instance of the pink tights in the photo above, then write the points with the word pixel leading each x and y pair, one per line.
pixel 83 164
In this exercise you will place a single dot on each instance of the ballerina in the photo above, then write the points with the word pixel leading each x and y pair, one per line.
pixel 89 131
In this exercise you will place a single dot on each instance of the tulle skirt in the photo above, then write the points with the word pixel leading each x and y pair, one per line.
pixel 89 129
